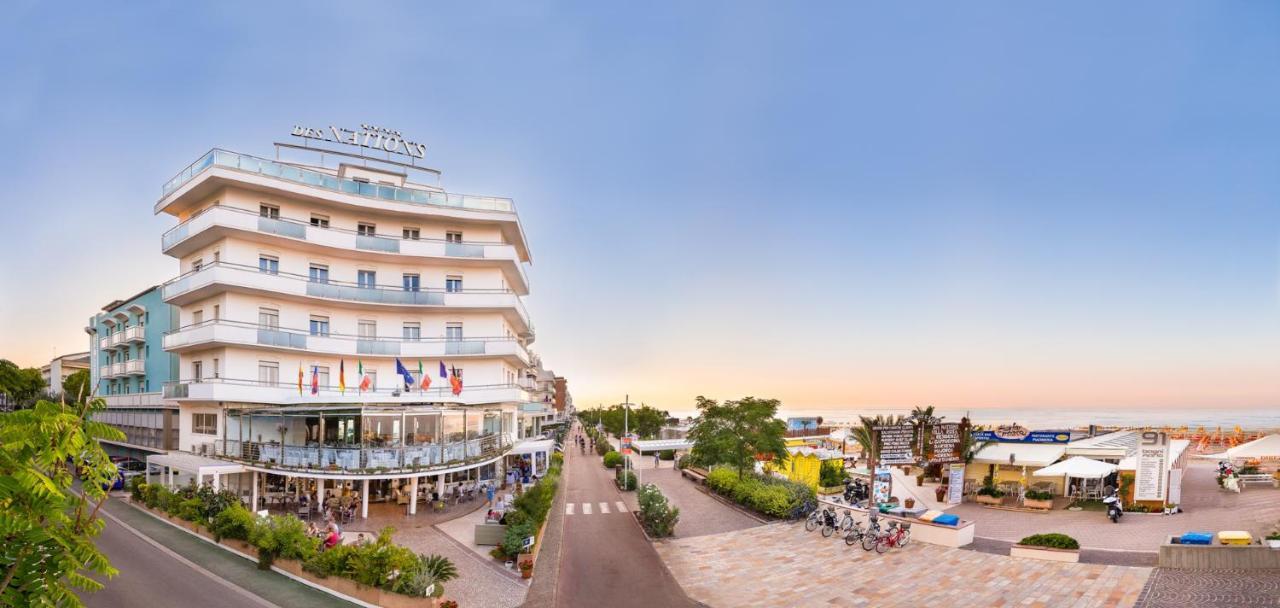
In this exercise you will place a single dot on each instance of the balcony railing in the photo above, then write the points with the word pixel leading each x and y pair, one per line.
pixel 296 284
pixel 359 459
pixel 137 333
pixel 104 343
pixel 134 366
pixel 325 181
pixel 287 393
pixel 116 369
pixel 117 338
pixel 242 332
pixel 339 238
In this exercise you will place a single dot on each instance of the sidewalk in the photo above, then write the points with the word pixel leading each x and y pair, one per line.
pixel 268 585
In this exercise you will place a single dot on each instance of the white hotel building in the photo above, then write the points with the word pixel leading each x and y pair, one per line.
pixel 337 266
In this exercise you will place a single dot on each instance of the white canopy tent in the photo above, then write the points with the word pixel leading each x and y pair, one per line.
pixel 1079 467
pixel 1265 448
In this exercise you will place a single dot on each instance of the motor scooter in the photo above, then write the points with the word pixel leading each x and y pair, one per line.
pixel 1114 511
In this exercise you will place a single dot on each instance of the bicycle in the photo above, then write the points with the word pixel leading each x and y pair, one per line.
pixel 855 534
pixel 848 522
pixel 802 510
pixel 898 535
pixel 829 525
pixel 814 519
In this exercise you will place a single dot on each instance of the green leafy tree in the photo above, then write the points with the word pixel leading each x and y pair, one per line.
pixel 47 529
pixel 76 388
pixel 23 385
pixel 736 432
pixel 644 421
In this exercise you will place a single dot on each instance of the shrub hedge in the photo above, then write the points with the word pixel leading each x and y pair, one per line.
pixel 626 480
pixel 768 495
pixel 1038 495
pixel 1053 541
pixel 612 459
pixel 657 516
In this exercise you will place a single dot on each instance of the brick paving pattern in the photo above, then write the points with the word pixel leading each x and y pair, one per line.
pixel 1211 589
pixel 699 513
pixel 1257 510
pixel 782 565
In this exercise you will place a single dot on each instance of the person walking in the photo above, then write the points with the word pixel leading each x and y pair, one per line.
pixel 488 495
pixel 656 462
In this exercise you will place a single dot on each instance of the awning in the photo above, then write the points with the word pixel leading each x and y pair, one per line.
pixel 533 447
pixel 657 445
pixel 1024 454
pixel 1078 466
pixel 195 465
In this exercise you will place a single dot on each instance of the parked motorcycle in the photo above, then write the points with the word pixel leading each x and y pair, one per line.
pixel 855 491
pixel 1114 511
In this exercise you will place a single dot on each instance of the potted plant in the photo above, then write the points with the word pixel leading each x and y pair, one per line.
pixel 1273 539
pixel 990 495
pixel 526 568
pixel 920 480
pixel 1035 499
pixel 1052 547
pixel 940 493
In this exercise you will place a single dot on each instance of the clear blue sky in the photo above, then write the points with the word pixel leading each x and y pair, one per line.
pixel 965 204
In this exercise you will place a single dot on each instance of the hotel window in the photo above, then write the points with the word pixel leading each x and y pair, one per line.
pixel 197 264
pixel 412 331
pixel 269 318
pixel 197 370
pixel 217 312
pixel 204 424
pixel 268 373
pixel 367 329
pixel 322 375
pixel 453 332
pixel 412 282
pixel 270 211
pixel 453 237
pixel 197 317
pixel 319 221
pixel 319 273
pixel 412 234
pixel 453 283
pixel 365 229
pixel 367 279
pixel 269 264
pixel 319 325
pixel 373 378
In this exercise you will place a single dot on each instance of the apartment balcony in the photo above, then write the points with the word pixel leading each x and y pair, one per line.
pixel 134 367
pixel 215 223
pixel 137 333
pixel 117 339
pixel 422 458
pixel 113 370
pixel 287 393
pixel 240 333
pixel 104 343
pixel 219 168
pixel 219 277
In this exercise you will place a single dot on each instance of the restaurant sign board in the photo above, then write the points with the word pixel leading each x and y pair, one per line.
pixel 955 484
pixel 1153 459
pixel 897 444
pixel 1013 433
pixel 946 443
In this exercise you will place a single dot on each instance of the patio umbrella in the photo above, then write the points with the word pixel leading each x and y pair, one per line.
pixel 1078 466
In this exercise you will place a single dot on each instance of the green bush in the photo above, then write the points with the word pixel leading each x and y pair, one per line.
pixel 171 502
pixel 667 455
pixel 513 542
pixel 991 491
pixel 831 474
pixel 625 480
pixel 1053 541
pixel 656 515
pixel 430 570
pixel 282 536
pixel 151 495
pixel 189 510
pixel 602 446
pixel 557 460
pixel 536 500
pixel 379 563
pixel 1038 495
pixel 768 495
pixel 330 562
pixel 214 502
pixel 135 488
pixel 612 459
pixel 722 479
pixel 233 522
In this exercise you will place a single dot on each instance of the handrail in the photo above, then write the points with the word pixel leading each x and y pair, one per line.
pixel 351 387
pixel 295 173
pixel 362 457
pixel 310 225
pixel 307 279
pixel 307 332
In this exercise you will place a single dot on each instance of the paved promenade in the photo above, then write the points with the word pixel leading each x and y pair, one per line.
pixel 700 513
pixel 782 565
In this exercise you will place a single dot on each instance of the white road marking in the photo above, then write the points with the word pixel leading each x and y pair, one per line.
pixel 604 508
pixel 586 508
pixel 568 508
pixel 622 507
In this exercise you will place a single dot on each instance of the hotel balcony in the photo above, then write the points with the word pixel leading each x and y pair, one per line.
pixel 220 277
pixel 240 333
pixel 134 367
pixel 113 370
pixel 104 343
pixel 117 339
pixel 137 333
pixel 215 223
pixel 287 393
pixel 355 459
pixel 219 168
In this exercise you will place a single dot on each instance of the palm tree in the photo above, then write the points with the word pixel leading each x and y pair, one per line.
pixel 970 448
pixel 863 434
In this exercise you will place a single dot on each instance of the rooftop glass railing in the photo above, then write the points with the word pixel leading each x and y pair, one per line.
pixel 333 183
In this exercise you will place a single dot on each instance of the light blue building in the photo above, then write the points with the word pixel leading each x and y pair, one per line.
pixel 129 367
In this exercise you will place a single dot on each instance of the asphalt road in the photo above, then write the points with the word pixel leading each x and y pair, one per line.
pixel 605 559
pixel 154 578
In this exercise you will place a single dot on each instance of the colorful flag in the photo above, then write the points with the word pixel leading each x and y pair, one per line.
pixel 443 373
pixel 315 379
pixel 426 380
pixel 299 378
pixel 456 382
pixel 365 381
pixel 342 376
pixel 404 373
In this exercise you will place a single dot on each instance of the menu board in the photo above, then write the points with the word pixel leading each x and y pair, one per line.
pixel 946 443
pixel 882 485
pixel 897 444
pixel 1153 459
pixel 955 484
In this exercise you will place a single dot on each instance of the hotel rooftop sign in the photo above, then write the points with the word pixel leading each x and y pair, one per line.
pixel 367 136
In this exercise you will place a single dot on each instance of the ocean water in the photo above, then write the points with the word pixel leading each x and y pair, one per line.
pixel 1066 418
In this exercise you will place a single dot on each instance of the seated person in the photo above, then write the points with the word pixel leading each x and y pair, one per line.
pixel 332 539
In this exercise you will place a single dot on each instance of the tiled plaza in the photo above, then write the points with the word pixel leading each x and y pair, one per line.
pixel 782 565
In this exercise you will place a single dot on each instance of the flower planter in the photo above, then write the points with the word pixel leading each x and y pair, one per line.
pixel 940 494
pixel 1274 543
pixel 989 500
pixel 1070 556
pixel 1038 504
pixel 828 491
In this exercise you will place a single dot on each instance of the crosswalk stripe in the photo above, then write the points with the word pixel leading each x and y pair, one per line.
pixel 568 508
pixel 622 507
pixel 586 508
pixel 604 508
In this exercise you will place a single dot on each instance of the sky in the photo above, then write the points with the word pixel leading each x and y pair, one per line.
pixel 833 204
